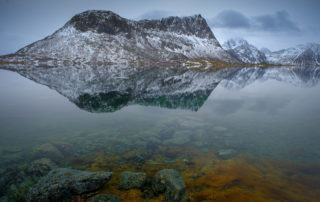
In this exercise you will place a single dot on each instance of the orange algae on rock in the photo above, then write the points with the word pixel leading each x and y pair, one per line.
pixel 250 180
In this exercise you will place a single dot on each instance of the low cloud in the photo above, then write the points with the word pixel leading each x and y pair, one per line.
pixel 277 22
pixel 231 19
pixel 154 15
pixel 280 21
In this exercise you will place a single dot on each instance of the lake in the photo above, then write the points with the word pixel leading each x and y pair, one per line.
pixel 234 134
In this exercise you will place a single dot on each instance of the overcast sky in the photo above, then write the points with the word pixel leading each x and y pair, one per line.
pixel 274 24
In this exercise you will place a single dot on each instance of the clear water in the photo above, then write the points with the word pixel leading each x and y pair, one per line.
pixel 271 127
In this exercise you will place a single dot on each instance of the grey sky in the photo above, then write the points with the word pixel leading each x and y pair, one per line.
pixel 274 24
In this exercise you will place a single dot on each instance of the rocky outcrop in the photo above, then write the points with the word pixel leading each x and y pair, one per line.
pixel 169 182
pixel 63 184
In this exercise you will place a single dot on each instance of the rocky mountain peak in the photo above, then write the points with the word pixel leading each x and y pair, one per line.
pixel 111 23
pixel 101 22
pixel 191 25
pixel 243 51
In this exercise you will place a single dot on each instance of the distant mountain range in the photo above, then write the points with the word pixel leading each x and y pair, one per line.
pixel 95 37
pixel 304 55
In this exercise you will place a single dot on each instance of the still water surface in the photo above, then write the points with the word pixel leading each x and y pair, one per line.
pixel 269 128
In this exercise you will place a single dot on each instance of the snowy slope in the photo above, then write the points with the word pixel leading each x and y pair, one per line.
pixel 243 51
pixel 103 36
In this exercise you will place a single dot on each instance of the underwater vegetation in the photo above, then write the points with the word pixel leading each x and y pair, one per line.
pixel 210 178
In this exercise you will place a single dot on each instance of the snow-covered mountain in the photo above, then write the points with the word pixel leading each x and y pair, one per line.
pixel 105 37
pixel 304 54
pixel 301 55
pixel 243 51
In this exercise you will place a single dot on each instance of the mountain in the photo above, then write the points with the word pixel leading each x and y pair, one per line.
pixel 304 54
pixel 243 51
pixel 105 37
pixel 301 55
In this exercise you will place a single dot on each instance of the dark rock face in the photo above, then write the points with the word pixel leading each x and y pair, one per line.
pixel 111 23
pixel 131 180
pixel 169 182
pixel 63 183
pixel 40 167
pixel 102 22
pixel 105 198
pixel 195 25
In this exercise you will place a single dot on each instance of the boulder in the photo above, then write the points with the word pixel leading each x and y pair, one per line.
pixel 47 151
pixel 105 198
pixel 41 167
pixel 169 182
pixel 131 180
pixel 62 184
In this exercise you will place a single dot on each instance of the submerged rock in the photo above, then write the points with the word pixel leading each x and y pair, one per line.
pixel 169 182
pixel 62 183
pixel 131 180
pixel 226 153
pixel 47 151
pixel 40 167
pixel 105 198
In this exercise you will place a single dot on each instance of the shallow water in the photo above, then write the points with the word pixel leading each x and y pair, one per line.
pixel 267 120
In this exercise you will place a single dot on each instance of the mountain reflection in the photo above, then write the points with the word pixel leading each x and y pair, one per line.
pixel 108 89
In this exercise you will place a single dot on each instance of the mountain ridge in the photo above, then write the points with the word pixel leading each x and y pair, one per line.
pixel 103 36
pixel 303 54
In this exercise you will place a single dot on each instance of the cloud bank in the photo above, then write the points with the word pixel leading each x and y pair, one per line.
pixel 277 22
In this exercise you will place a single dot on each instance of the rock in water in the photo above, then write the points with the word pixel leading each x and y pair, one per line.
pixel 131 180
pixel 169 182
pixel 40 167
pixel 105 198
pixel 47 151
pixel 62 183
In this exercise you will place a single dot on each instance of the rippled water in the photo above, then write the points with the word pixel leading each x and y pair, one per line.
pixel 252 134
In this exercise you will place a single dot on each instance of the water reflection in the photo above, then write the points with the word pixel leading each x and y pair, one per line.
pixel 108 89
